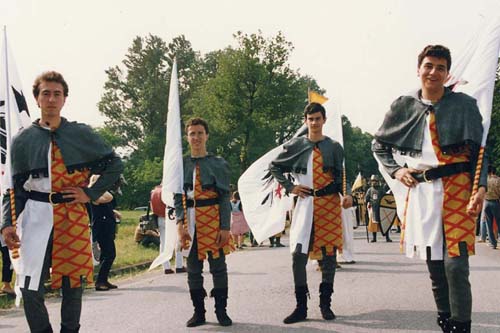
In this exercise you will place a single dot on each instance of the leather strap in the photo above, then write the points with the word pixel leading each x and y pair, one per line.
pixel 430 175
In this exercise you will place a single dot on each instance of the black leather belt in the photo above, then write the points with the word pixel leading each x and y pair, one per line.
pixel 441 171
pixel 201 202
pixel 52 197
pixel 327 190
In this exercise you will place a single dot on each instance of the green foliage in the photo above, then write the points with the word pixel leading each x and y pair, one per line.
pixel 135 102
pixel 357 146
pixel 251 97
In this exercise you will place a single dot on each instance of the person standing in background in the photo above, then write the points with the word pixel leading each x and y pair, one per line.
pixel 159 209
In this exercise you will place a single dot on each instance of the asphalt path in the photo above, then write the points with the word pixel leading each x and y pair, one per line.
pixel 383 292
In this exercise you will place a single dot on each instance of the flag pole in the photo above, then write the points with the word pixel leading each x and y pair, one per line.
pixel 15 252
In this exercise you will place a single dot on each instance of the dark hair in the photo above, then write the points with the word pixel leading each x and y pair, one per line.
pixel 492 169
pixel 438 51
pixel 50 76
pixel 236 195
pixel 197 121
pixel 313 108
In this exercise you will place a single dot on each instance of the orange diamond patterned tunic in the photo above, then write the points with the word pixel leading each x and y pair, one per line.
pixel 327 213
pixel 458 225
pixel 71 251
pixel 207 222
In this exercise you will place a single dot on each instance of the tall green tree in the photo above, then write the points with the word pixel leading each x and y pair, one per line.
pixel 135 102
pixel 252 98
pixel 357 148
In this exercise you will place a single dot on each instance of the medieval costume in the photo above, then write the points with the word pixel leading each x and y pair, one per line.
pixel 53 232
pixel 372 199
pixel 206 184
pixel 316 229
pixel 443 139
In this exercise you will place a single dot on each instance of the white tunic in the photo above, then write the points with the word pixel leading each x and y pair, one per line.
pixel 34 226
pixel 348 219
pixel 423 226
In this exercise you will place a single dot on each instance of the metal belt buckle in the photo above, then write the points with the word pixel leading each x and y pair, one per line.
pixel 424 175
pixel 50 199
pixel 194 203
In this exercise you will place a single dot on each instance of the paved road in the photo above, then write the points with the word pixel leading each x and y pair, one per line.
pixel 382 292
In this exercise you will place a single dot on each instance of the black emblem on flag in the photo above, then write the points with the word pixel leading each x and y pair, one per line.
pixel 20 101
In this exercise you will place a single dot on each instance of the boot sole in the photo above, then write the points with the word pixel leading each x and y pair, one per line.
pixel 196 324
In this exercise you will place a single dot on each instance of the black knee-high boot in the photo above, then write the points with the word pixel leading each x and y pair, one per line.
pixel 443 321
pixel 300 312
pixel 325 300
pixel 459 326
pixel 198 298
pixel 374 237
pixel 220 296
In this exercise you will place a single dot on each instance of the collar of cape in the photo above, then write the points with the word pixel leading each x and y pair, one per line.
pixel 214 172
pixel 296 152
pixel 458 122
pixel 80 146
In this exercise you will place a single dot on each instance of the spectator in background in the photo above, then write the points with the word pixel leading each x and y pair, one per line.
pixel 239 225
pixel 492 205
pixel 147 237
pixel 6 270
pixel 372 199
pixel 103 219
pixel 159 209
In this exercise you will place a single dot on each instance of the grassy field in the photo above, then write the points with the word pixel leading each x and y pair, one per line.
pixel 128 252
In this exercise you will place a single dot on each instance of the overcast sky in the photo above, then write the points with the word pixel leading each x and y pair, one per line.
pixel 362 52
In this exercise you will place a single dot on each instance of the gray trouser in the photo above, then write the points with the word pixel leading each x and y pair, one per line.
pixel 451 286
pixel 299 262
pixel 194 266
pixel 34 301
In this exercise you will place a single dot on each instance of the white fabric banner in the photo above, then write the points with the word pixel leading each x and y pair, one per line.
pixel 173 172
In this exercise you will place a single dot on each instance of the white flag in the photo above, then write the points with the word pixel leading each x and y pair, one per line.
pixel 173 172
pixel 479 73
pixel 14 115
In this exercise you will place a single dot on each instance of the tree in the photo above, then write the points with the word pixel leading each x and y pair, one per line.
pixel 135 104
pixel 357 148
pixel 252 98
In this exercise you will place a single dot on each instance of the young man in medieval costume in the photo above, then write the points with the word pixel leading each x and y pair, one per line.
pixel 429 141
pixel 205 232
pixel 315 163
pixel 372 199
pixel 51 163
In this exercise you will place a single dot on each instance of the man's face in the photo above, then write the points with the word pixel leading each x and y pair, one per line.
pixel 315 122
pixel 197 137
pixel 433 73
pixel 51 98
